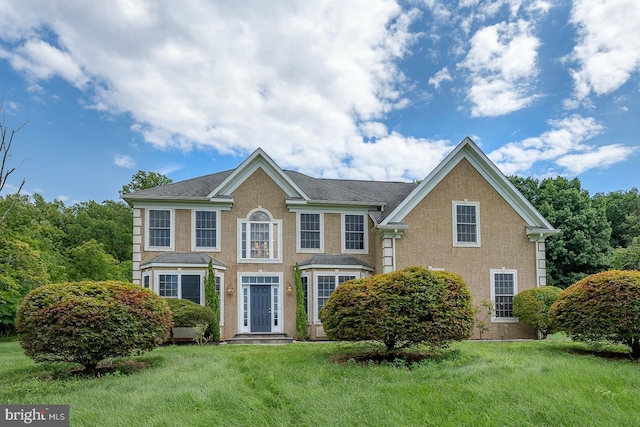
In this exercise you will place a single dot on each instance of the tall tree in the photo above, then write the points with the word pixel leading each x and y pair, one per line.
pixel 623 212
pixel 582 247
pixel 142 180
pixel 6 141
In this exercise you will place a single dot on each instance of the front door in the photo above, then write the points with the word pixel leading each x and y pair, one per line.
pixel 260 308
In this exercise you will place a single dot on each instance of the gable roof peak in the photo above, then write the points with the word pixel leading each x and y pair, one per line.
pixel 259 159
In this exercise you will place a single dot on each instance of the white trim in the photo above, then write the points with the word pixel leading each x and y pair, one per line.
pixel 309 278
pixel 277 239
pixel 240 299
pixel 365 232
pixel 178 205
pixel 145 276
pixel 222 293
pixel 258 160
pixel 299 249
pixel 335 274
pixel 174 265
pixel 468 150
pixel 172 230
pixel 179 272
pixel 456 243
pixel 493 272
pixel 195 248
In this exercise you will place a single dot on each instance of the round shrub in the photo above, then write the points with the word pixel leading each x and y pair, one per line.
pixel 531 307
pixel 86 322
pixel 601 307
pixel 401 308
pixel 187 313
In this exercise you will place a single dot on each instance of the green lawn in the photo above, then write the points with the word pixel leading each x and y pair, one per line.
pixel 474 384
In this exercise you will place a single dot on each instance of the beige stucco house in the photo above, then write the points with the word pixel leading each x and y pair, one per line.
pixel 257 221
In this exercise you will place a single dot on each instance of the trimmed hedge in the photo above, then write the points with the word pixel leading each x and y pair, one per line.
pixel 188 314
pixel 531 307
pixel 601 307
pixel 86 322
pixel 400 309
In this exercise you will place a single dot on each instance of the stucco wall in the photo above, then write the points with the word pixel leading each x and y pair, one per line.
pixel 504 244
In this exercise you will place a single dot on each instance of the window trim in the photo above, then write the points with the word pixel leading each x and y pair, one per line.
pixel 172 230
pixel 179 273
pixel 335 274
pixel 494 318
pixel 454 215
pixel 299 247
pixel 343 231
pixel 193 231
pixel 278 239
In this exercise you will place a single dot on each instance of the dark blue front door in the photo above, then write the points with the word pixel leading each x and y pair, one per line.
pixel 260 308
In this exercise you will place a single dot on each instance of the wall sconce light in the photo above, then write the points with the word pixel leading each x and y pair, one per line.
pixel 230 290
pixel 289 290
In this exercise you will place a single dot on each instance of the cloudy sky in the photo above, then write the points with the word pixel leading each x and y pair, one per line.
pixel 371 89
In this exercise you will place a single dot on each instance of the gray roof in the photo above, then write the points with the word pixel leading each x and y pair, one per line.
pixel 184 259
pixel 375 193
pixel 331 260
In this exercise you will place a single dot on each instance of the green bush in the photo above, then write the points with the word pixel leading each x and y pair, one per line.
pixel 531 307
pixel 400 309
pixel 188 314
pixel 601 307
pixel 86 322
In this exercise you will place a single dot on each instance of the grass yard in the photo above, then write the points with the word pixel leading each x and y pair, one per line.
pixel 543 383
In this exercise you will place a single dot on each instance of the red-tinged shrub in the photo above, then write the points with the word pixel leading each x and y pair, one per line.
pixel 400 309
pixel 601 307
pixel 86 322
pixel 531 307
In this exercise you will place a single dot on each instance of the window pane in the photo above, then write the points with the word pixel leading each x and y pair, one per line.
pixel 326 285
pixel 310 231
pixel 168 285
pixel 466 223
pixel 354 232
pixel 504 290
pixel 191 287
pixel 159 228
pixel 259 240
pixel 206 222
pixel 305 291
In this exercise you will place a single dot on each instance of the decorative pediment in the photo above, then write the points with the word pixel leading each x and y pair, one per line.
pixel 258 160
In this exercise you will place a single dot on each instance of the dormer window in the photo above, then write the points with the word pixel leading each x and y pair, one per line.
pixel 260 237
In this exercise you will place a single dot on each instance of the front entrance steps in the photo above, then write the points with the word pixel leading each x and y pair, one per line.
pixel 260 338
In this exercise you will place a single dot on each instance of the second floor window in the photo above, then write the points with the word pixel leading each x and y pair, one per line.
pixel 206 229
pixel 354 233
pixel 159 228
pixel 310 232
pixel 259 237
pixel 466 224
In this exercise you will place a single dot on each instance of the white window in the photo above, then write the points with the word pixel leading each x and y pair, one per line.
pixel 354 233
pixel 146 281
pixel 159 229
pixel 504 285
pixel 310 232
pixel 466 224
pixel 205 230
pixel 259 238
pixel 181 285
pixel 325 285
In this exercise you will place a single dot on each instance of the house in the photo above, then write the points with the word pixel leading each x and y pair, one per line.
pixel 257 221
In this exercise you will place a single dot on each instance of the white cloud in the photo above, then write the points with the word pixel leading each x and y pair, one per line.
pixel 566 138
pixel 502 68
pixel 124 161
pixel 297 79
pixel 601 157
pixel 608 48
pixel 439 77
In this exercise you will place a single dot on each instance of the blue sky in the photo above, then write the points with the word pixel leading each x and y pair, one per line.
pixel 370 89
